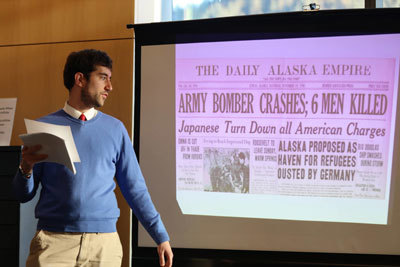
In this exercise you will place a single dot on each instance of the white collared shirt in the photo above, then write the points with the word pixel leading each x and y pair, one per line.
pixel 90 114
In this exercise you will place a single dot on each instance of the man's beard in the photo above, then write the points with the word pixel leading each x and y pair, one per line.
pixel 90 101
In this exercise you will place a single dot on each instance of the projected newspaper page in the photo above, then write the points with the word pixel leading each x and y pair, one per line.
pixel 297 138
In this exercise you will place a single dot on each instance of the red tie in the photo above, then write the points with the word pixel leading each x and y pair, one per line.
pixel 82 117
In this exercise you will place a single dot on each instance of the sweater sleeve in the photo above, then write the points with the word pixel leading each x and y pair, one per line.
pixel 24 188
pixel 134 189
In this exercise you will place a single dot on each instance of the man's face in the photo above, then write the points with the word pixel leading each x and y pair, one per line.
pixel 97 88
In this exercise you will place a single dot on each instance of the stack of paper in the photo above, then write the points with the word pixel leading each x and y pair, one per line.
pixel 56 141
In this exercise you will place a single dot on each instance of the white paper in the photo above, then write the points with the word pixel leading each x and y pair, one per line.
pixel 61 131
pixel 54 146
pixel 56 140
pixel 7 112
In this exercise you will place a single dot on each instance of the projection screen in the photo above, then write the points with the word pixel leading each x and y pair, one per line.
pixel 281 144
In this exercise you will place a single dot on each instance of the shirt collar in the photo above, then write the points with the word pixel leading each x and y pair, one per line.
pixel 90 114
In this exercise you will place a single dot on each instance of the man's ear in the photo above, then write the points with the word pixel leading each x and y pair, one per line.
pixel 80 79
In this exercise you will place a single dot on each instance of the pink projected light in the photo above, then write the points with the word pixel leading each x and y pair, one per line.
pixel 266 129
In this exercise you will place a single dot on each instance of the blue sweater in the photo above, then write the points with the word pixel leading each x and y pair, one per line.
pixel 86 202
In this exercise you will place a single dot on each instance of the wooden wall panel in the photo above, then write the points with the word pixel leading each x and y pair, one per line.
pixel 33 74
pixel 45 21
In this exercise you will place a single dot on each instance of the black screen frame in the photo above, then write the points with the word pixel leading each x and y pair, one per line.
pixel 257 27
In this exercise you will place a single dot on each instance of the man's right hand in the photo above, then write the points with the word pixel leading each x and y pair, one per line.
pixel 30 157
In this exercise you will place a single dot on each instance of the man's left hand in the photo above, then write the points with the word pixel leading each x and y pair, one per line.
pixel 165 254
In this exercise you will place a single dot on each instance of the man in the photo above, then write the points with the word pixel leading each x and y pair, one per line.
pixel 78 213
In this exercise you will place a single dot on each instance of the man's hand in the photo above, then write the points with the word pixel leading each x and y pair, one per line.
pixel 30 157
pixel 165 254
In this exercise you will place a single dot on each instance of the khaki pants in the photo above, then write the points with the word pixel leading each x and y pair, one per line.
pixel 50 249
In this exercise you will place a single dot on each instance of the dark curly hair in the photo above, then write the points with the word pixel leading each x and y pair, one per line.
pixel 84 61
